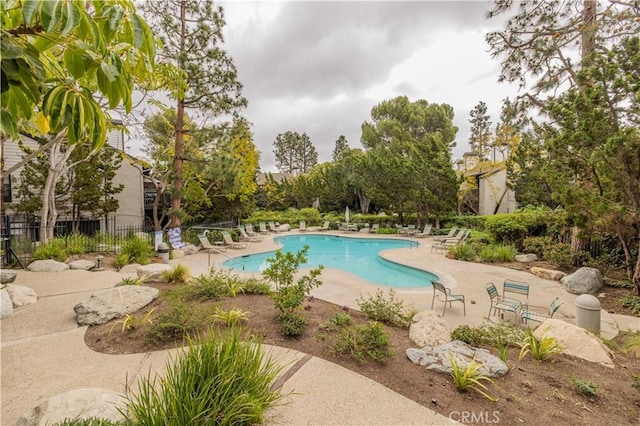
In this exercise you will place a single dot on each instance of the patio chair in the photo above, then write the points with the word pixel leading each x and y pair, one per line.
pixel 249 229
pixel 516 290
pixel 527 314
pixel 246 237
pixel 443 294
pixel 451 234
pixel 274 228
pixel 444 244
pixel 499 304
pixel 230 243
pixel 263 228
pixel 206 244
pixel 411 230
pixel 325 226
pixel 374 228
pixel 425 232
pixel 303 226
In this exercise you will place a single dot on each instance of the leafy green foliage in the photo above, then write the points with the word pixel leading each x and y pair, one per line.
pixel 635 382
pixel 338 320
pixel 632 344
pixel 364 342
pixel 178 322
pixel 122 259
pixel 497 253
pixel 220 379
pixel 585 387
pixel 492 335
pixel 540 349
pixel 465 252
pixel 388 310
pixel 469 377
pixel 134 281
pixel 54 249
pixel 132 322
pixel 136 250
pixel 91 421
pixel 294 152
pixel 230 317
pixel 633 302
pixel 289 295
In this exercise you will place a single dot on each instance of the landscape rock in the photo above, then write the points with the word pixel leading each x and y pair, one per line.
pixel 82 264
pixel 284 227
pixel 190 249
pixel 526 258
pixel 429 329
pixel 7 277
pixel 153 271
pixel 131 268
pixel 6 306
pixel 21 295
pixel 48 265
pixel 113 303
pixel 76 404
pixel 548 274
pixel 583 281
pixel 436 358
pixel 576 341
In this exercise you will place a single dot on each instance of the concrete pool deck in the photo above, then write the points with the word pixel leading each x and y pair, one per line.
pixel 43 351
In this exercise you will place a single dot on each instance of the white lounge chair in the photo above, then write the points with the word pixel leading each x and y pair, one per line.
pixel 263 228
pixel 246 237
pixel 206 244
pixel 230 243
pixel 425 232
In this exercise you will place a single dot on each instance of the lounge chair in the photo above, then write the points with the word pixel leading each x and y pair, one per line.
pixel 425 232
pixel 499 304
pixel 230 243
pixel 527 314
pixel 274 228
pixel 444 294
pixel 246 237
pixel 249 229
pixel 303 226
pixel 445 244
pixel 263 228
pixel 451 234
pixel 411 230
pixel 374 228
pixel 325 226
pixel 204 241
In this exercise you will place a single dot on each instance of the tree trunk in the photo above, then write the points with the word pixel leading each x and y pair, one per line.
pixel 636 272
pixel 57 166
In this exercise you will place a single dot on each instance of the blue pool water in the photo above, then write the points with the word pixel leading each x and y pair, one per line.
pixel 358 256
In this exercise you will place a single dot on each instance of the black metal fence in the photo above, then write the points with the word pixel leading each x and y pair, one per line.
pixel 20 235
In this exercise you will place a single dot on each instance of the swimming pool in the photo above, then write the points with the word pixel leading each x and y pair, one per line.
pixel 358 256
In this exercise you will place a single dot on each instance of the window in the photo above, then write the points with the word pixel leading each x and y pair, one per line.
pixel 6 189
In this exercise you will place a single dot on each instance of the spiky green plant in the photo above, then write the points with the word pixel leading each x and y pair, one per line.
pixel 179 274
pixel 220 379
pixel 134 280
pixel 540 349
pixel 469 377
pixel 131 322
pixel 230 317
pixel 585 387
pixel 137 250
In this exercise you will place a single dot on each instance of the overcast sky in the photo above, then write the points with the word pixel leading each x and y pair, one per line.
pixel 319 67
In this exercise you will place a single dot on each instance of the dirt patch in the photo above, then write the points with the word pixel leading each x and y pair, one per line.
pixel 531 393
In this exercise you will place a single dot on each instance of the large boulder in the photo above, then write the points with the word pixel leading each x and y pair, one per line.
pixel 285 227
pixel 576 341
pixel 583 281
pixel 48 265
pixel 7 277
pixel 76 404
pixel 549 274
pixel 131 268
pixel 526 258
pixel 82 264
pixel 114 303
pixel 429 329
pixel 21 295
pixel 437 358
pixel 153 272
pixel 6 306
pixel 190 249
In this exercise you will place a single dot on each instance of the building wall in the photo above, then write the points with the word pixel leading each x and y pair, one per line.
pixel 131 200
pixel 491 189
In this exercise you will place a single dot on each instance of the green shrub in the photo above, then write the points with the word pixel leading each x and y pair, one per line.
pixel 635 382
pixel 293 322
pixel 491 335
pixel 363 342
pixel 180 321
pixel 506 228
pixel 230 317
pixel 585 387
pixel 54 249
pixel 78 244
pixel 465 252
pixel 222 379
pixel 558 253
pixel 338 320
pixel 387 310
pixel 255 286
pixel 137 250
pixel 633 302
pixel 387 231
pixel 497 253
pixel 122 259
pixel 537 245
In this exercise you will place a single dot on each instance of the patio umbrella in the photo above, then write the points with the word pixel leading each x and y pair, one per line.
pixel 346 215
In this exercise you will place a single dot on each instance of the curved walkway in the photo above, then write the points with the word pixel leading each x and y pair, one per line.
pixel 43 351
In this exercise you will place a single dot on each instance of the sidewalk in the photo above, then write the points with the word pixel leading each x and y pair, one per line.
pixel 43 351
